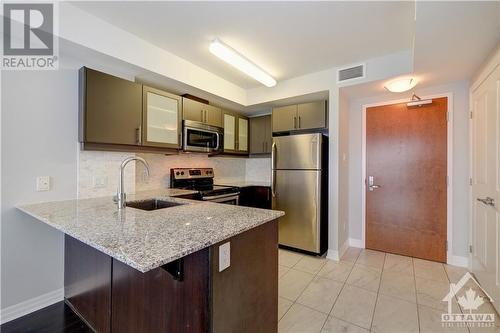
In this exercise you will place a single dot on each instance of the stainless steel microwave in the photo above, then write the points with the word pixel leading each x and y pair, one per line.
pixel 200 137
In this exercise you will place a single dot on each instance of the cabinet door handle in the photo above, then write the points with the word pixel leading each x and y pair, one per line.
pixel 202 117
pixel 294 122
pixel 263 146
pixel 138 133
pixel 299 121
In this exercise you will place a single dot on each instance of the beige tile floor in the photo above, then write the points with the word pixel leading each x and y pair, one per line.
pixel 367 291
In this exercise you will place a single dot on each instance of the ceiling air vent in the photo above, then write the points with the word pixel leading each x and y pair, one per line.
pixel 350 73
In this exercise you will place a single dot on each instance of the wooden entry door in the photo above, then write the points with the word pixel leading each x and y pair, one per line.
pixel 486 185
pixel 406 162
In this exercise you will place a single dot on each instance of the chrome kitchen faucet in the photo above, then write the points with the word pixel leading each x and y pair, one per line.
pixel 120 194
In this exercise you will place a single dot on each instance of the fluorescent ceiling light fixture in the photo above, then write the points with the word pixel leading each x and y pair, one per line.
pixel 238 61
pixel 400 85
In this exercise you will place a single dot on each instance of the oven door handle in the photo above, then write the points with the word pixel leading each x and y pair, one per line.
pixel 222 196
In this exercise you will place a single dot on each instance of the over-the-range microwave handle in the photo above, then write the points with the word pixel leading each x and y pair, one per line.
pixel 217 135
pixel 273 169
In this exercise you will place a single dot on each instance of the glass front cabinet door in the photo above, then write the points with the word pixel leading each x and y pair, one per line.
pixel 242 134
pixel 161 121
pixel 229 132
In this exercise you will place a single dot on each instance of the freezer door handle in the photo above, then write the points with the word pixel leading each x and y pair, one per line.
pixel 273 169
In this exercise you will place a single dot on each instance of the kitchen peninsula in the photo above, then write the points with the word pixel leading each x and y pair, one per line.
pixel 168 265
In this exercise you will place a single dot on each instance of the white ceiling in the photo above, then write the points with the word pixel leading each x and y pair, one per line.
pixel 454 38
pixel 287 39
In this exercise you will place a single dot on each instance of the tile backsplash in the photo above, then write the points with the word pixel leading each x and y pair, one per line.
pixel 160 165
pixel 98 171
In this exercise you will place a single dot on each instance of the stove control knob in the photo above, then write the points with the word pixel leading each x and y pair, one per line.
pixel 177 173
pixel 182 173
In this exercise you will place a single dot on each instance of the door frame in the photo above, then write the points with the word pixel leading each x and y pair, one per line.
pixel 449 163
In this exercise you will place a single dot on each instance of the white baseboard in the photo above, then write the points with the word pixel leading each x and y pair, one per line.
pixel 31 305
pixel 458 261
pixel 343 248
pixel 333 255
pixel 353 242
pixel 336 255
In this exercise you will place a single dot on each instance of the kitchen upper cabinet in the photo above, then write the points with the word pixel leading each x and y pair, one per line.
pixel 242 134
pixel 161 119
pixel 204 113
pixel 229 131
pixel 299 117
pixel 284 118
pixel 235 133
pixel 260 135
pixel 110 109
pixel 311 115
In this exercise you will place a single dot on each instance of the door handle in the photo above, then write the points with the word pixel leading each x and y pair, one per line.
pixel 299 121
pixel 371 184
pixel 487 201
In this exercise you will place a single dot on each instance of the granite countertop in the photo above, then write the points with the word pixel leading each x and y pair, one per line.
pixel 242 183
pixel 146 240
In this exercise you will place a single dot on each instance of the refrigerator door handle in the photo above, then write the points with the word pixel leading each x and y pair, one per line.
pixel 273 169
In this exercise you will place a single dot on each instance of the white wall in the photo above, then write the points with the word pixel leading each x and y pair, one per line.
pixel 39 135
pixel 343 230
pixel 460 161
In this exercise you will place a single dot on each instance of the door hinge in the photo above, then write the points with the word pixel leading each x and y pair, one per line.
pixel 447 116
pixel 446 245
pixel 470 181
pixel 471 115
pixel 447 181
pixel 470 248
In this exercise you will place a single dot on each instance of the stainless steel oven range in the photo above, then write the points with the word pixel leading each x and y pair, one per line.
pixel 202 180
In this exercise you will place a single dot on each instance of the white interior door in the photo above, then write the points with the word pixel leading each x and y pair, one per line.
pixel 486 185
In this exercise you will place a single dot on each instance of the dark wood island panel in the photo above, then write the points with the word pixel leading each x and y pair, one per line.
pixel 156 302
pixel 114 297
pixel 87 283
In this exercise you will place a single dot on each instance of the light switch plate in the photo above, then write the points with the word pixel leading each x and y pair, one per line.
pixel 43 183
pixel 224 256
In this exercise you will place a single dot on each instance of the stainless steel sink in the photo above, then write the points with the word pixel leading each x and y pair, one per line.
pixel 152 204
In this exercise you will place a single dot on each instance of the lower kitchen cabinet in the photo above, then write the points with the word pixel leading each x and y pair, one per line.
pixel 256 196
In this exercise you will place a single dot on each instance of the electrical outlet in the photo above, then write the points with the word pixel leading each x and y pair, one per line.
pixel 43 183
pixel 100 181
pixel 224 256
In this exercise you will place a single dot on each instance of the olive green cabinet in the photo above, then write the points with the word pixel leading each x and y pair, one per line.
pixel 311 115
pixel 260 135
pixel 284 118
pixel 110 109
pixel 300 117
pixel 117 114
pixel 204 113
pixel 161 119
pixel 235 133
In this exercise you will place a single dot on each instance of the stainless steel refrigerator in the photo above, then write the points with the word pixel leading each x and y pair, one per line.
pixel 299 188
